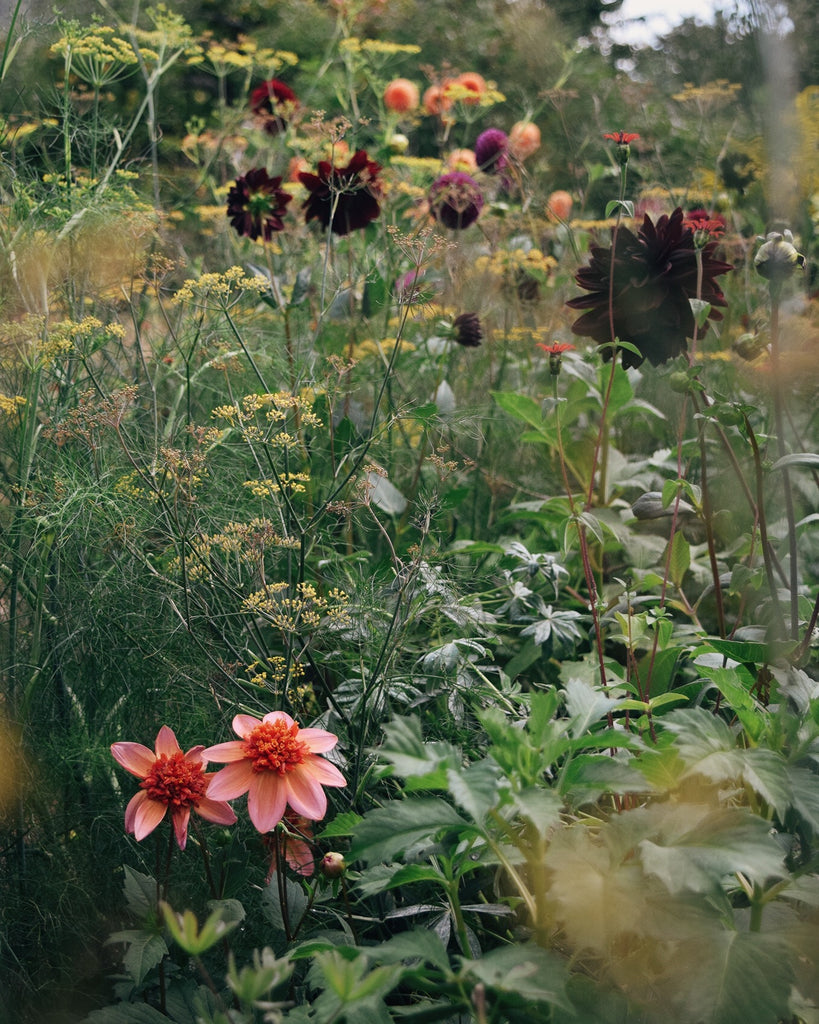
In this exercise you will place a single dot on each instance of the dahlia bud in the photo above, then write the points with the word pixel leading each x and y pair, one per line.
pixel 777 257
pixel 333 865
pixel 399 143
pixel 467 330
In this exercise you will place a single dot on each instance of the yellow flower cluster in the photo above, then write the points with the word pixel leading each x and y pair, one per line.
pixel 128 487
pixel 10 404
pixel 506 263
pixel 170 33
pixel 69 335
pixel 94 53
pixel 710 96
pixel 275 405
pixel 298 609
pixel 245 54
pixel 273 672
pixel 292 483
pixel 382 349
pixel 221 289
pixel 381 47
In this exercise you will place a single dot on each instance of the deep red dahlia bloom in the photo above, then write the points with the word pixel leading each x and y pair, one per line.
pixel 648 279
pixel 343 198
pixel 256 204
pixel 274 102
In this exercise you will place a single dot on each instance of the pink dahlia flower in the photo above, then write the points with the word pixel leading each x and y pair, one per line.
pixel 171 781
pixel 276 764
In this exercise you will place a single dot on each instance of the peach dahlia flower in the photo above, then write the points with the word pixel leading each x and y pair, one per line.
pixel 277 764
pixel 171 781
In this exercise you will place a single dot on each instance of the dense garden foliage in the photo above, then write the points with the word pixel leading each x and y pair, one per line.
pixel 408 503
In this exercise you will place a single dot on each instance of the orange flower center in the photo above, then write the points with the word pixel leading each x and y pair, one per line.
pixel 175 781
pixel 273 747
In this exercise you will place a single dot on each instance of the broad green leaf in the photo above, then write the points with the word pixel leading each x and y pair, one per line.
pixel 588 776
pixel 522 407
pixel 732 977
pixel 140 893
pixel 523 970
pixel 693 847
pixel 343 824
pixel 540 807
pixel 586 705
pixel 805 795
pixel 411 755
pixel 418 944
pixel 475 788
pixel 390 830
pixel 143 952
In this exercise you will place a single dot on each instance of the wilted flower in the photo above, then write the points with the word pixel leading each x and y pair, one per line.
pixel 455 200
pixel 491 148
pixel 467 330
pixel 171 781
pixel 401 96
pixel 256 204
pixel 276 763
pixel 343 198
pixel 640 292
pixel 291 840
pixel 274 102
pixel 777 257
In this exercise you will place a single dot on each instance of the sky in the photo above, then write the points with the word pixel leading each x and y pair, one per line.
pixel 660 16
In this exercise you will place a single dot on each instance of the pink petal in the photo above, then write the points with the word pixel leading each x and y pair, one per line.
pixel 131 809
pixel 299 856
pixel 181 817
pixel 231 781
pixel 266 800
pixel 194 755
pixel 305 795
pixel 166 741
pixel 318 740
pixel 217 811
pixel 134 758
pixel 322 771
pixel 147 816
pixel 243 725
pixel 233 750
pixel 279 716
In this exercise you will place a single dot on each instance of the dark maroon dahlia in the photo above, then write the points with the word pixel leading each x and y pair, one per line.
pixel 274 102
pixel 455 200
pixel 343 198
pixel 256 204
pixel 640 293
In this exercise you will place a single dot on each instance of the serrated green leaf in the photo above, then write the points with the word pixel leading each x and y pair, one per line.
pixel 418 944
pixel 390 830
pixel 475 788
pixel 694 847
pixel 540 807
pixel 412 756
pixel 343 824
pixel 140 893
pixel 732 977
pixel 142 955
pixel 523 970
pixel 522 407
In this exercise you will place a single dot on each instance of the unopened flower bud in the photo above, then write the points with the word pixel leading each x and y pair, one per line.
pixel 399 144
pixel 777 257
pixel 333 865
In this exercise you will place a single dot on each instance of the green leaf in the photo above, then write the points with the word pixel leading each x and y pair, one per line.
pixel 412 756
pixel 730 977
pixel 301 286
pixel 680 560
pixel 797 459
pixel 140 893
pixel 475 788
pixel 586 705
pixel 625 206
pixel 522 407
pixel 694 847
pixel 390 830
pixel 126 1013
pixel 522 970
pixel 144 950
pixel 418 944
pixel 343 824
pixel 540 807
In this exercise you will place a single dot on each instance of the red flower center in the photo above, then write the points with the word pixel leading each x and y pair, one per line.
pixel 273 747
pixel 175 781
